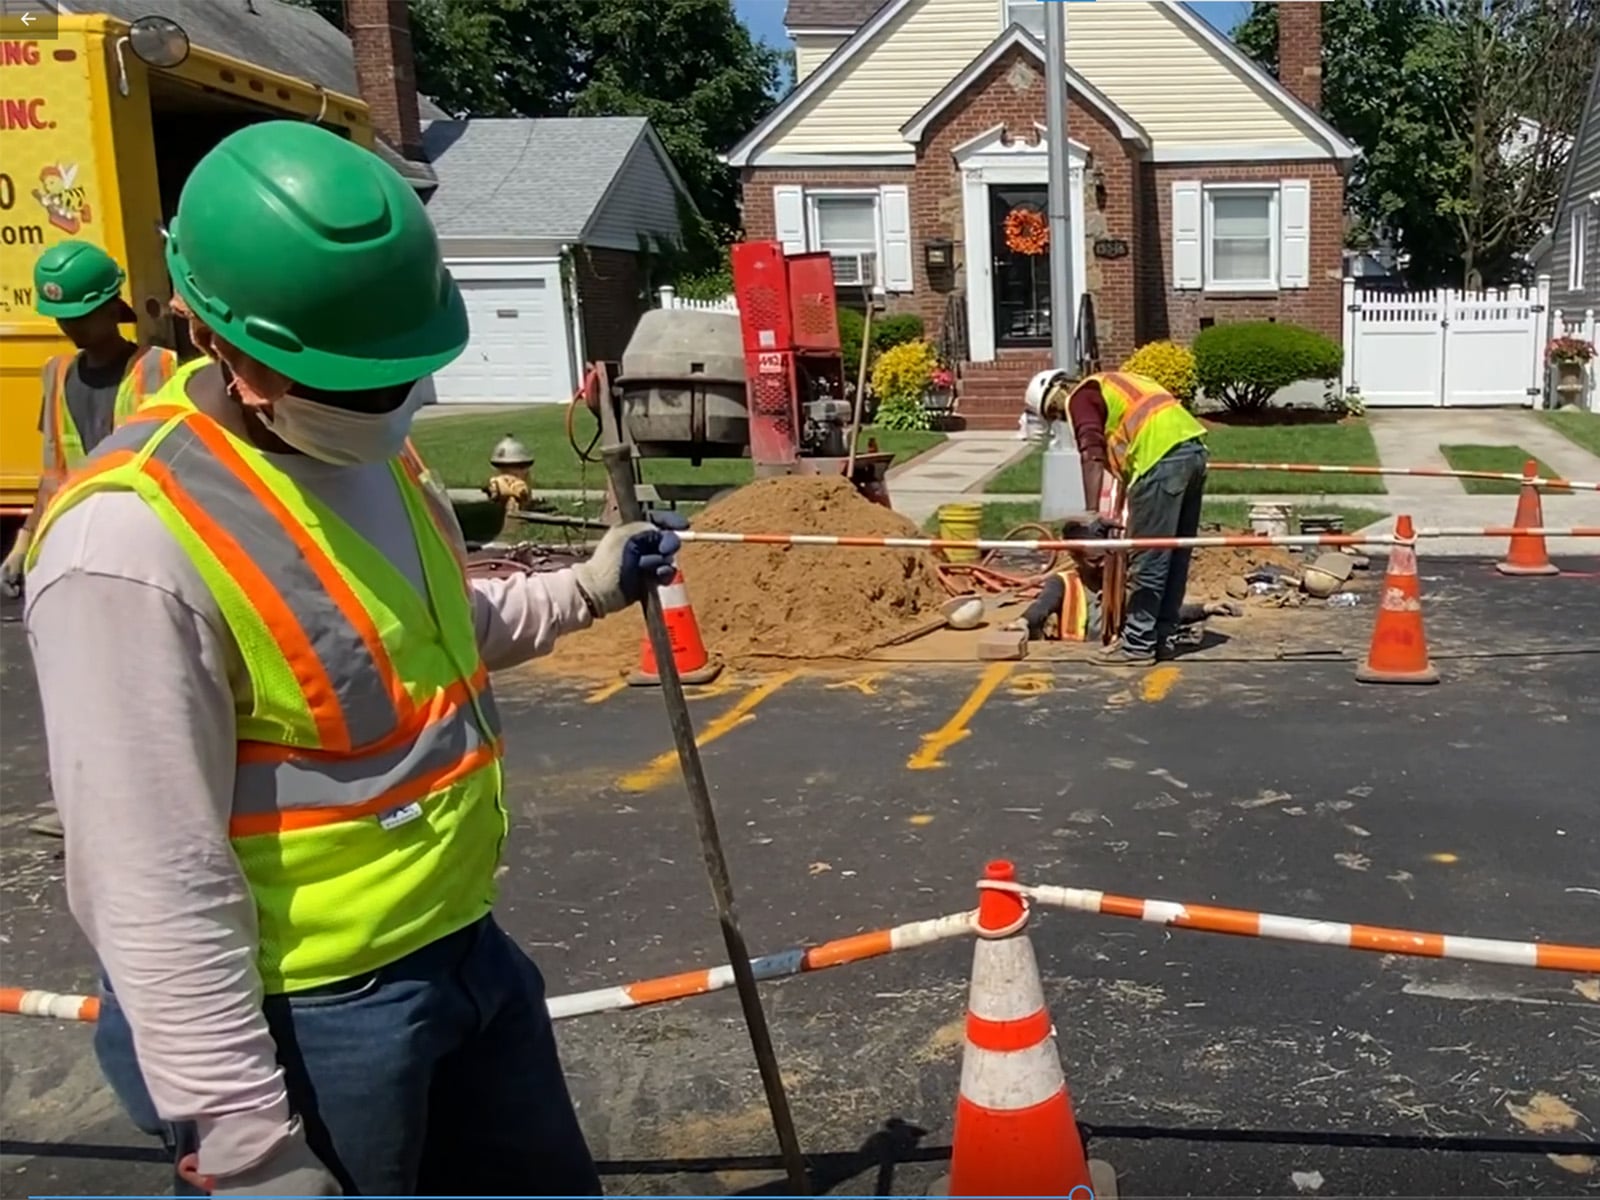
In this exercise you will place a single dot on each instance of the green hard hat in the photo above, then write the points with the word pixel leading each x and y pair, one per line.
pixel 314 257
pixel 72 279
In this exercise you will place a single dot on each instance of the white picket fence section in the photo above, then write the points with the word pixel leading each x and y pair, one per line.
pixel 1579 326
pixel 668 297
pixel 1446 347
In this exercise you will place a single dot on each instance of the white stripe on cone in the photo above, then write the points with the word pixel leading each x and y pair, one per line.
pixel 1005 980
pixel 1003 1080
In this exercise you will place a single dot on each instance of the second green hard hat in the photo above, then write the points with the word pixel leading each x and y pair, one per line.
pixel 314 257
pixel 72 279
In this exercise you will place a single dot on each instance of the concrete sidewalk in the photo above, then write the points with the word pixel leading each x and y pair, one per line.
pixel 961 465
pixel 1412 437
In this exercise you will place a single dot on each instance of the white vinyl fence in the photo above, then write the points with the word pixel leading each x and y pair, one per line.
pixel 1446 347
pixel 668 297
pixel 1578 325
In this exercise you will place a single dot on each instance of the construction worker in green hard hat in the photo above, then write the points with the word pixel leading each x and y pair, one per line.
pixel 279 766
pixel 89 392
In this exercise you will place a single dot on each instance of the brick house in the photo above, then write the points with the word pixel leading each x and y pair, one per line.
pixel 1203 189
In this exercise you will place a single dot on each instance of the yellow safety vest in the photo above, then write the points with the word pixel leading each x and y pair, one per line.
pixel 1074 619
pixel 147 372
pixel 1143 422
pixel 367 812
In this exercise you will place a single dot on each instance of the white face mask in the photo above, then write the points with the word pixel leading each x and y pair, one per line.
pixel 339 436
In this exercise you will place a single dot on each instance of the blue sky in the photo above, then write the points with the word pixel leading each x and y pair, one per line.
pixel 765 17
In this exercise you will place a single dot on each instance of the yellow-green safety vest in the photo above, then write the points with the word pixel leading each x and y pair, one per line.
pixel 1143 422
pixel 367 812
pixel 64 447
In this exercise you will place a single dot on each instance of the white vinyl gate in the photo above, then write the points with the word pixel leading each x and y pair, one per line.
pixel 1445 347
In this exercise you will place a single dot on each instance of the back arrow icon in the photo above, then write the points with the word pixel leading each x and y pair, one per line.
pixel 27 18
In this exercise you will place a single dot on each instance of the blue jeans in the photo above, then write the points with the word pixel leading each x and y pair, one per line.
pixel 1165 502
pixel 436 1075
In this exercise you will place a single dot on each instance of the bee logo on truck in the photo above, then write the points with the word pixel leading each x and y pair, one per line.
pixel 64 203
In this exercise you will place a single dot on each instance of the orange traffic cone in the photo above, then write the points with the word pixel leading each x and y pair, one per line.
pixel 1528 554
pixel 1015 1134
pixel 1399 652
pixel 688 650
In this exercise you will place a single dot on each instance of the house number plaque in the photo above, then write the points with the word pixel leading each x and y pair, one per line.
pixel 1110 248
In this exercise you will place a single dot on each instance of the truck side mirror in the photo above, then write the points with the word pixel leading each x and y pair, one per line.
pixel 158 41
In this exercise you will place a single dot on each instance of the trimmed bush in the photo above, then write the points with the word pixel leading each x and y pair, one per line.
pixel 1169 364
pixel 1244 364
pixel 887 333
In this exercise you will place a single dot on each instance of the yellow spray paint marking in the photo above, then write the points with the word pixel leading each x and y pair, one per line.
pixel 1032 683
pixel 920 819
pixel 663 766
pixel 931 754
pixel 720 686
pixel 1444 857
pixel 867 685
pixel 1158 683
pixel 601 695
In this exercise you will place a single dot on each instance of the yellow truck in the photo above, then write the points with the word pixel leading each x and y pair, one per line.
pixel 101 121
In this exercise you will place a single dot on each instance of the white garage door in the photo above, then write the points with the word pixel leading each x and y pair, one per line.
pixel 518 348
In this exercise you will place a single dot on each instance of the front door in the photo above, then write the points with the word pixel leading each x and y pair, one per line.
pixel 1019 241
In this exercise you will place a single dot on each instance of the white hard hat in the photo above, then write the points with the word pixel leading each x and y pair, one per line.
pixel 1039 387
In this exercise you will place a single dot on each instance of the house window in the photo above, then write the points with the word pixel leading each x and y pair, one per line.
pixel 1579 251
pixel 1241 243
pixel 1027 13
pixel 846 226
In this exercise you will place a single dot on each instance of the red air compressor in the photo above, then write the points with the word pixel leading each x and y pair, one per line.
pixel 799 418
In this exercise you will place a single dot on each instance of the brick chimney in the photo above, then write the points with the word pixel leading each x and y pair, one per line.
pixel 380 35
pixel 1300 49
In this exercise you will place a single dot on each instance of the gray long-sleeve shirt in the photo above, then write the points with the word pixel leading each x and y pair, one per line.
pixel 140 681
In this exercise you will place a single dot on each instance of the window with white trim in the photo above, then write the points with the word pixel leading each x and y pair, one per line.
pixel 1578 247
pixel 846 226
pixel 1241 238
pixel 1027 13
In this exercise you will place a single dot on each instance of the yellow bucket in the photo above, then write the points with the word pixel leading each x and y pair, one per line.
pixel 960 522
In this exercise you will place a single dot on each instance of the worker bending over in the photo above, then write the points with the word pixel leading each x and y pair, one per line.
pixel 280 765
pixel 89 392
pixel 1130 426
pixel 1070 604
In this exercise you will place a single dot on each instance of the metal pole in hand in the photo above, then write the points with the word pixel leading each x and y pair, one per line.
pixel 1063 352
pixel 619 469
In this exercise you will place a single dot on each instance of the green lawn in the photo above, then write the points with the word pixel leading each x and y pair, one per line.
pixel 1000 519
pixel 1580 427
pixel 1492 458
pixel 458 448
pixel 1348 443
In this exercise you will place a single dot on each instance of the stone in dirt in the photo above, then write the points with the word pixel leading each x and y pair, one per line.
pixel 798 602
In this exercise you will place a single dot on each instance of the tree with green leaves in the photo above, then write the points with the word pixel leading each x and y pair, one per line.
pixel 690 66
pixel 1464 111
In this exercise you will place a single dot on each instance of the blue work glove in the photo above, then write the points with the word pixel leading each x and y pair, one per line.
pixel 628 559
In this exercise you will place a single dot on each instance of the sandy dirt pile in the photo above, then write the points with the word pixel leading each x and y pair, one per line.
pixel 784 601
pixel 1211 568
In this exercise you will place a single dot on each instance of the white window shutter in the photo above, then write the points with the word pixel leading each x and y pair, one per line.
pixel 1186 233
pixel 1294 233
pixel 789 218
pixel 895 213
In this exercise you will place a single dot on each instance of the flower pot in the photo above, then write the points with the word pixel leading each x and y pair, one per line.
pixel 1570 382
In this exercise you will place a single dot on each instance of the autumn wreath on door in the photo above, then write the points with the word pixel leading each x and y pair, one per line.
pixel 1027 233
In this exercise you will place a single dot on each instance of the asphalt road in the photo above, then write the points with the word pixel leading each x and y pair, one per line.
pixel 1202 1065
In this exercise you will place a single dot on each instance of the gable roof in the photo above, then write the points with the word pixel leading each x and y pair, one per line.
pixel 1585 138
pixel 540 178
pixel 1016 37
pixel 883 13
pixel 828 14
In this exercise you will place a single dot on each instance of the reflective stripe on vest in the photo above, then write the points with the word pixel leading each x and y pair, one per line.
pixel 1137 405
pixel 151 369
pixel 366 812
pixel 1074 622
pixel 63 439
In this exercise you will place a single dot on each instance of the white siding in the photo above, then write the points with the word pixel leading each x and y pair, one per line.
pixel 1167 77
pixel 810 49
pixel 642 199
